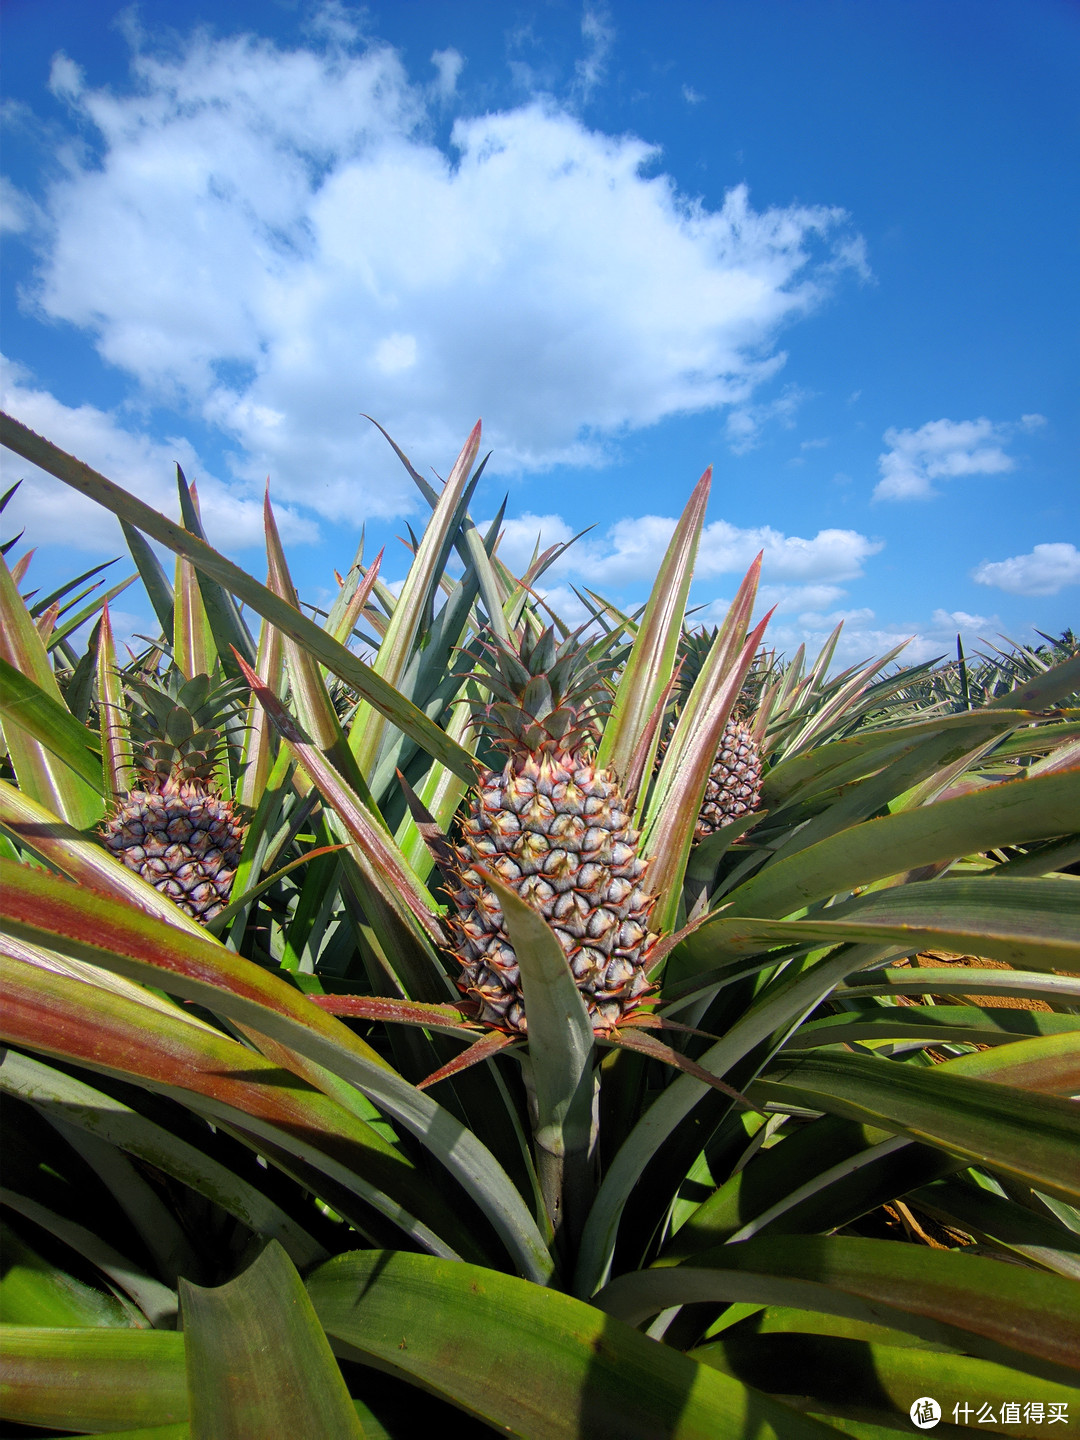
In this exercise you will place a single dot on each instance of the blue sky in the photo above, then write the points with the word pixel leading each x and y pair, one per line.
pixel 828 246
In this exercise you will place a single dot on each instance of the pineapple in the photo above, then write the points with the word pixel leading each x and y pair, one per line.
pixel 175 829
pixel 733 788
pixel 555 827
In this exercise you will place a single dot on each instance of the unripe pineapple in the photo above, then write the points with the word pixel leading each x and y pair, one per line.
pixel 555 827
pixel 176 829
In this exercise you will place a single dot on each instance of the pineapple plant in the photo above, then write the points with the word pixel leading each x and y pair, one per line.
pixel 549 1202
pixel 174 827
pixel 554 826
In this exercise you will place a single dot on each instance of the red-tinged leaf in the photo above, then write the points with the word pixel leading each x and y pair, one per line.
pixel 117 759
pixel 359 598
pixel 379 856
pixel 46 622
pixel 19 569
pixel 407 1012
pixel 1049 1064
pixel 54 1014
pixel 194 651
pixel 657 1050
pixel 670 832
pixel 652 659
pixel 482 1049
pixel 46 911
pixel 646 746
pixel 82 859
pixel 257 756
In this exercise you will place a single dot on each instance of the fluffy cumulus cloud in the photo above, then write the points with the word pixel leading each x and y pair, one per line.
pixel 798 574
pixel 272 239
pixel 1045 571
pixel 942 450
pixel 49 510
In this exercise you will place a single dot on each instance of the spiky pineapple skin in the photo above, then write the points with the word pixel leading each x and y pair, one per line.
pixel 555 828
pixel 184 841
pixel 734 785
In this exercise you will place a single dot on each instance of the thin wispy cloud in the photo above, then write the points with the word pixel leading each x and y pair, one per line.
pixel 270 241
pixel 943 450
pixel 1044 571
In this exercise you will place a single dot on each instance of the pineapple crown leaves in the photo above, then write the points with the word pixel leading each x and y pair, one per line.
pixel 544 692
pixel 177 724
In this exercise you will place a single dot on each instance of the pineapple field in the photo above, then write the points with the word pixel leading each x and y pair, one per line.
pixel 423 1012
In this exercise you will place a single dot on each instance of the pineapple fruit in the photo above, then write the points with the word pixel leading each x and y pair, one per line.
pixel 176 829
pixel 554 826
pixel 733 788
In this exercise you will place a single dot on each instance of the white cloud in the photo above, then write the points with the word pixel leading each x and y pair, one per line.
pixel 746 422
pixel 864 637
pixel 16 210
pixel 943 449
pixel 599 36
pixel 628 556
pixel 66 79
pixel 271 239
pixel 1045 571
pixel 692 96
pixel 51 511
pixel 449 64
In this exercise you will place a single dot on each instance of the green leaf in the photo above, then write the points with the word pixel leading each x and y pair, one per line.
pixel 819 1177
pixel 117 757
pixel 1026 1319
pixel 1006 814
pixel 88 1379
pixel 152 574
pixel 264 602
pixel 258 1362
pixel 35 1292
pixel 561 1054
pixel 58 1096
pixel 415 600
pixel 934 1024
pixel 824 1373
pixel 530 1361
pixel 50 723
pixel 966 980
pixel 1001 1223
pixel 1023 922
pixel 220 609
pixel 44 776
pixel 1033 1138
